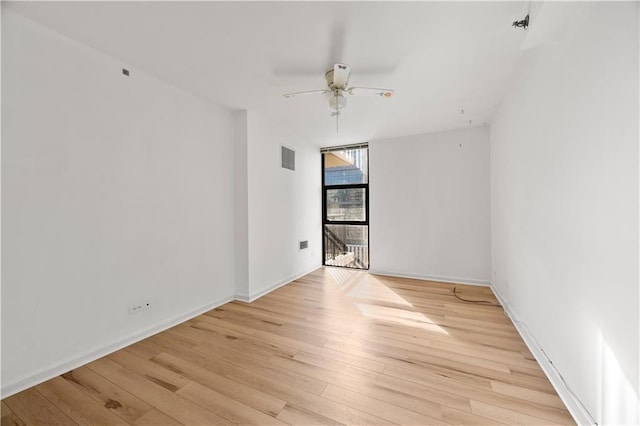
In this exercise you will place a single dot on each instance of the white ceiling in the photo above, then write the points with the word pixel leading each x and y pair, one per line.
pixel 440 57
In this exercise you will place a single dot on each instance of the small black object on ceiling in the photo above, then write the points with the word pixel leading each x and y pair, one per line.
pixel 522 24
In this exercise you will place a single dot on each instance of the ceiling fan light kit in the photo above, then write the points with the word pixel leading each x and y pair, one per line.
pixel 337 101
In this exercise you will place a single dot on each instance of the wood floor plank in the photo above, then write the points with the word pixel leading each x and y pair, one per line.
pixel 77 405
pixel 377 407
pixel 416 390
pixel 474 377
pixel 244 343
pixel 551 414
pixel 333 362
pixel 297 416
pixel 459 417
pixel 292 378
pixel 104 366
pixel 263 380
pixel 229 325
pixel 168 340
pixel 159 375
pixel 302 319
pixel 505 415
pixel 376 351
pixel 312 310
pixel 361 362
pixel 367 384
pixel 302 399
pixel 146 349
pixel 305 367
pixel 256 345
pixel 11 419
pixel 448 335
pixel 119 401
pixel 417 342
pixel 336 346
pixel 175 406
pixel 32 408
pixel 232 389
pixel 228 408
pixel 156 418
pixel 336 411
pixel 544 398
pixel 8 417
pixel 532 371
pixel 468 374
pixel 458 362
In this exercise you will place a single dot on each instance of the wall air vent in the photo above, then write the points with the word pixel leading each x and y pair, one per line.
pixel 288 158
pixel 303 245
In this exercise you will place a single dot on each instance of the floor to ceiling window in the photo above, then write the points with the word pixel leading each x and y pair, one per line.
pixel 345 206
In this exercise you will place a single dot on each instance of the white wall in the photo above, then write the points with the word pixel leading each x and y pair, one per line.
pixel 241 203
pixel 284 207
pixel 430 206
pixel 564 156
pixel 114 189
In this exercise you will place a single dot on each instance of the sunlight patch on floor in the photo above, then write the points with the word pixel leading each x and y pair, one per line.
pixel 342 275
pixel 361 285
pixel 400 316
pixel 372 289
pixel 372 297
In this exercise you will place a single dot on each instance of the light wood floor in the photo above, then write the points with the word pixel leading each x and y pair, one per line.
pixel 334 347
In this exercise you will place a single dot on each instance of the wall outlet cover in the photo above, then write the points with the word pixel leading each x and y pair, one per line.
pixel 140 306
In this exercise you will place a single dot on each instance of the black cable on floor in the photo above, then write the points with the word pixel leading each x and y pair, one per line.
pixel 484 302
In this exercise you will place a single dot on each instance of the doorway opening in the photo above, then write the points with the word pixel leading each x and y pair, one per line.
pixel 345 206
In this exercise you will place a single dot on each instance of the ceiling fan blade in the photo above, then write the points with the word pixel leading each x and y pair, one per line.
pixel 341 75
pixel 308 92
pixel 375 91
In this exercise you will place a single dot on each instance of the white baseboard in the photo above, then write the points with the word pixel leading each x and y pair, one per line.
pixel 258 294
pixel 439 278
pixel 242 298
pixel 574 405
pixel 9 389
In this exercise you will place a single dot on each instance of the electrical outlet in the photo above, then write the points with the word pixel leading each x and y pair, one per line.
pixel 139 306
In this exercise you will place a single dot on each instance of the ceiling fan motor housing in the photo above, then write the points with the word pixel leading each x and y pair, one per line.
pixel 329 76
pixel 331 81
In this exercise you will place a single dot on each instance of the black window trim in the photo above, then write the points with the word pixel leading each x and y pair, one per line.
pixel 326 221
pixel 325 188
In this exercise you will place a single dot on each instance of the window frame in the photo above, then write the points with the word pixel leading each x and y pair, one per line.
pixel 326 188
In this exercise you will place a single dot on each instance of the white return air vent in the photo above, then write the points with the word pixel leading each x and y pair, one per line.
pixel 288 158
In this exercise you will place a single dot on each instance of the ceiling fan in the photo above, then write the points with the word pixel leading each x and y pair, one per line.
pixel 337 85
